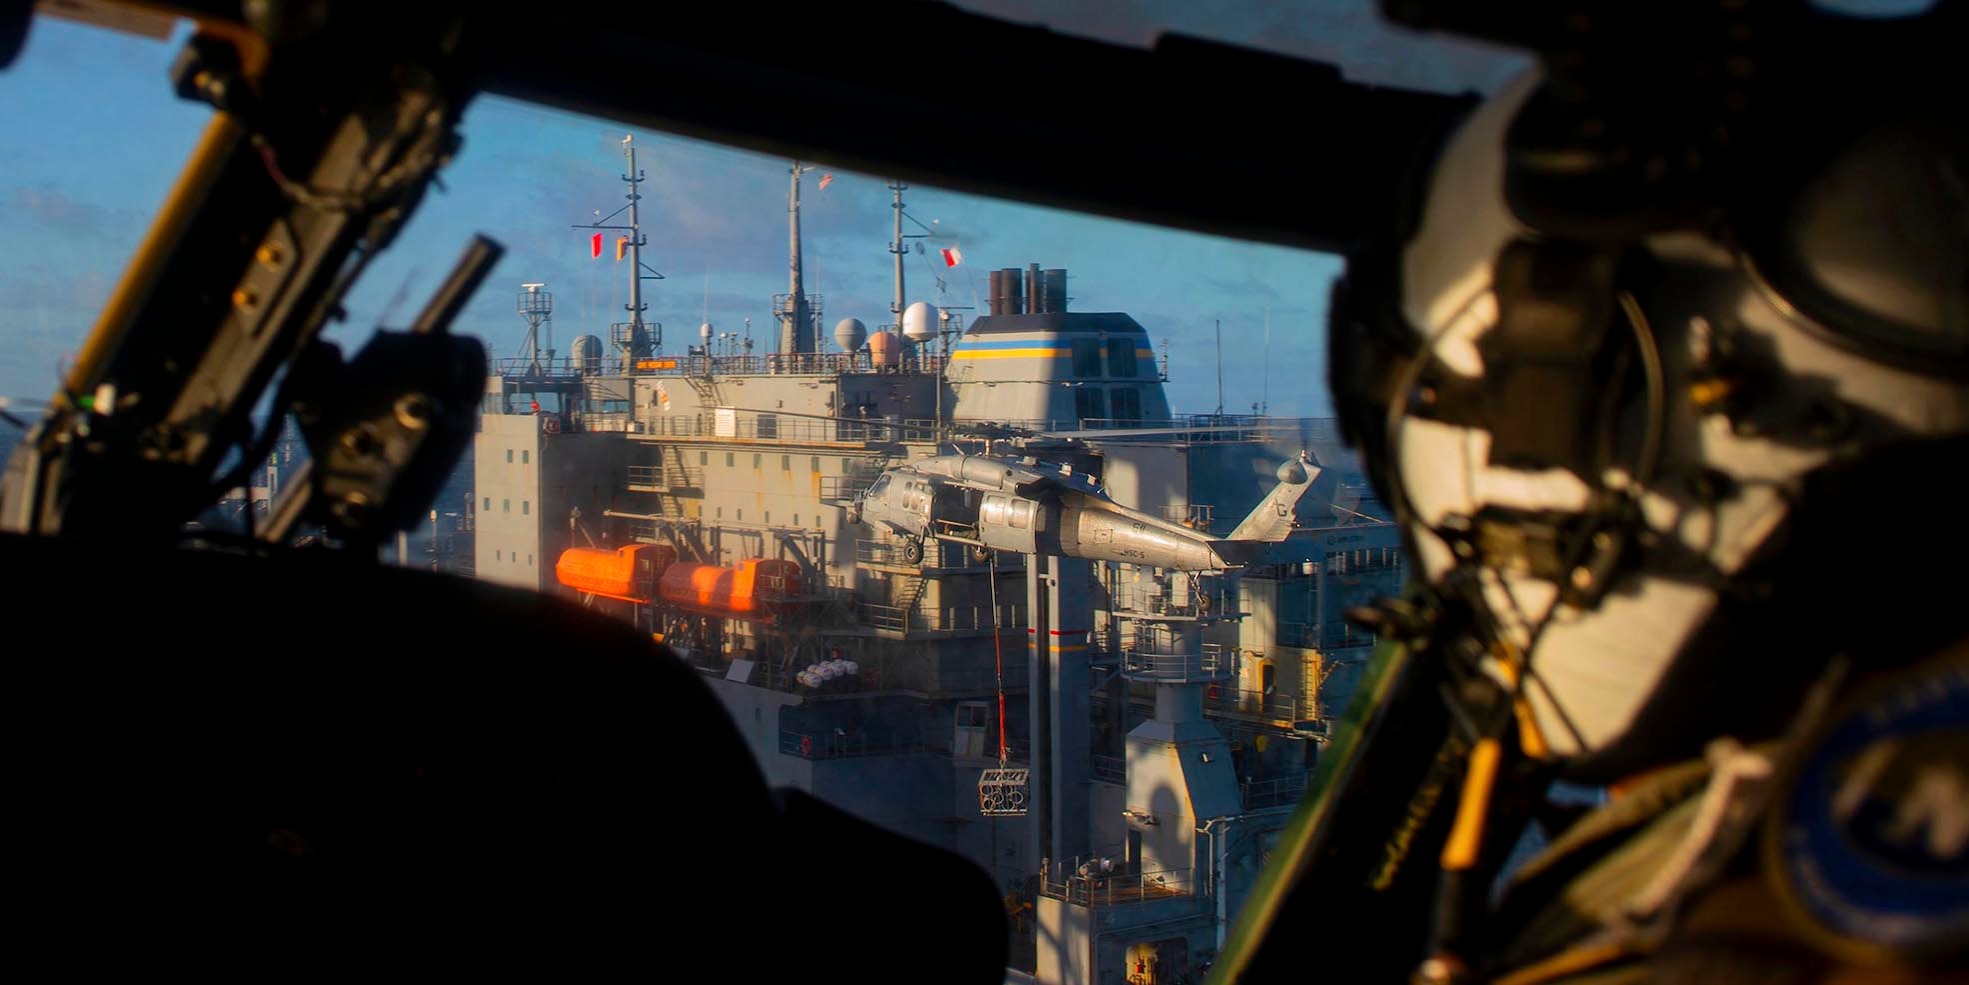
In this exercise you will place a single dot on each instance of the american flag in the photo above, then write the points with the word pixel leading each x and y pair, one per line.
pixel 824 179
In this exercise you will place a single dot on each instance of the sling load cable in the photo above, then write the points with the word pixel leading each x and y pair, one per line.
pixel 998 652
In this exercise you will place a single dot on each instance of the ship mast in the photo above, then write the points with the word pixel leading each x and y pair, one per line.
pixel 897 248
pixel 633 338
pixel 796 331
pixel 640 343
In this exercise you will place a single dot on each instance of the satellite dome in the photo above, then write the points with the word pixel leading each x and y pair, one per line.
pixel 849 333
pixel 704 330
pixel 919 322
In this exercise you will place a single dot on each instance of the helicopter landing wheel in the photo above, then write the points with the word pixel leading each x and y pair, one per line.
pixel 912 551
pixel 980 554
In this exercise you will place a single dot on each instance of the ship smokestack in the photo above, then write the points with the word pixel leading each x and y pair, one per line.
pixel 1056 290
pixel 997 292
pixel 1014 303
pixel 1032 289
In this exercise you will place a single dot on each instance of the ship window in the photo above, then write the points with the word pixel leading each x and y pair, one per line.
pixel 509 455
pixel 488 504
pixel 1087 358
pixel 758 460
pixel 796 519
pixel 769 516
pixel 704 458
pixel 1087 402
pixel 814 464
pixel 1127 404
pixel 1121 356
pixel 526 508
pixel 505 506
pixel 523 456
pixel 741 514
pixel 1022 514
pixel 846 466
pixel 529 560
pixel 499 555
pixel 721 512
pixel 786 463
pixel 730 459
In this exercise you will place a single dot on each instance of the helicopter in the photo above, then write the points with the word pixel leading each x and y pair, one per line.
pixel 1004 503
pixel 330 121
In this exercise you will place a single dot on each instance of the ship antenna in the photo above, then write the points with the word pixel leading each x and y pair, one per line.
pixel 632 337
pixel 895 307
pixel 640 343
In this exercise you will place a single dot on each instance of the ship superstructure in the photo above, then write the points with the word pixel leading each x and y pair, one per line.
pixel 1140 731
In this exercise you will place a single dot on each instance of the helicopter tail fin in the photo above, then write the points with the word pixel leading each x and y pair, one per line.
pixel 1271 521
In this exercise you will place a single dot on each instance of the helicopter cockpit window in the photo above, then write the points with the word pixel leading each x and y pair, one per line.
pixel 880 486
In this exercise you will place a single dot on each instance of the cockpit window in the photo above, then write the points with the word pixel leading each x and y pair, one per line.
pixel 880 486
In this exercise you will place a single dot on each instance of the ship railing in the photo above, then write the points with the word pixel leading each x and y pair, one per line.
pixel 597 423
pixel 1324 637
pixel 890 617
pixel 938 555
pixel 1274 792
pixel 945 619
pixel 1270 706
pixel 543 368
pixel 1209 664
pixel 844 488
pixel 1088 882
pixel 1217 428
pixel 925 679
pixel 1110 769
pixel 1126 599
pixel 837 744
pixel 668 476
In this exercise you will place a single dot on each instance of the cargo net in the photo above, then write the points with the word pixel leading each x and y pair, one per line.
pixel 1002 792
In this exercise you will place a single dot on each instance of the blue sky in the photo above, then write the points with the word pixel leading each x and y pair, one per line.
pixel 91 139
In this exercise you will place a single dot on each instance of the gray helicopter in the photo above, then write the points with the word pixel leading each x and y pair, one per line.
pixel 1021 504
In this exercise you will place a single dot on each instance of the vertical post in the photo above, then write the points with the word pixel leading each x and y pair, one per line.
pixel 638 346
pixel 797 333
pixel 1061 614
pixel 896 248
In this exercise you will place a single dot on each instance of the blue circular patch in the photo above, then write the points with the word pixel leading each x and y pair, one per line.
pixel 1871 841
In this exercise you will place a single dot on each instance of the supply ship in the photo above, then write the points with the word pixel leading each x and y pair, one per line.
pixel 1116 743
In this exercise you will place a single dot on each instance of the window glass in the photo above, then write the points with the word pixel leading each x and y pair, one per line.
pixel 1121 356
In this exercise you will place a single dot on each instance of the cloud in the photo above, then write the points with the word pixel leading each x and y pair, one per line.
pixel 73 217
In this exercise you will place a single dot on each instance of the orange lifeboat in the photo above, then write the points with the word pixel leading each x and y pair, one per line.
pixel 755 586
pixel 627 573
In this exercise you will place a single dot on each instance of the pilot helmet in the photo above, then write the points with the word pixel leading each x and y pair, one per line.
pixel 1668 437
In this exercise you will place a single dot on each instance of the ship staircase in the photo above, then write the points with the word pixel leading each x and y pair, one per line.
pixel 706 387
pixel 894 620
pixel 841 490
pixel 670 480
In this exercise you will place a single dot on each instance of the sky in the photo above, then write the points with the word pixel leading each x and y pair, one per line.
pixel 91 139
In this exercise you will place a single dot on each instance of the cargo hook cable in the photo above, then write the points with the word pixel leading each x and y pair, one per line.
pixel 998 652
